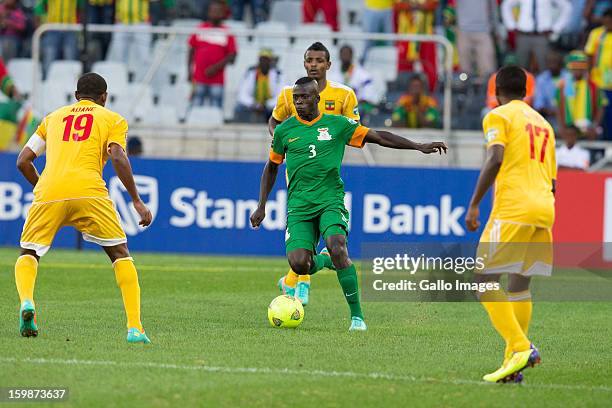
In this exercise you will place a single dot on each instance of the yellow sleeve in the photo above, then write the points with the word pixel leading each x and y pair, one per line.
pixel 118 133
pixel 350 107
pixel 41 130
pixel 282 110
pixel 494 127
pixel 553 163
pixel 590 47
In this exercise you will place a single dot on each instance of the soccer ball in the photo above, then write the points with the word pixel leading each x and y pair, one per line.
pixel 285 311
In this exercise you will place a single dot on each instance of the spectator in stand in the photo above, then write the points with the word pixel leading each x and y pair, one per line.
pixel 417 17
pixel 259 89
pixel 356 77
pixel 579 100
pixel 547 83
pixel 537 23
pixel 570 155
pixel 310 9
pixel 162 11
pixel 416 109
pixel 377 17
pixel 56 45
pixel 134 146
pixel 599 50
pixel 492 102
pixel 12 28
pixel 594 11
pixel 475 42
pixel 101 12
pixel 259 10
pixel 209 53
pixel 8 109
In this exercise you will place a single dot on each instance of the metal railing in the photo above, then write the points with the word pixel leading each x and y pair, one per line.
pixel 98 28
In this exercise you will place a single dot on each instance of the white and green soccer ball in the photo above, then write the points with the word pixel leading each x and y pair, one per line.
pixel 285 311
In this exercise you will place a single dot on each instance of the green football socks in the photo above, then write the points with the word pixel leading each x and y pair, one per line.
pixel 319 262
pixel 350 287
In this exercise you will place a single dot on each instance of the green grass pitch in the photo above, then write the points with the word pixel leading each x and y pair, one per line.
pixel 212 344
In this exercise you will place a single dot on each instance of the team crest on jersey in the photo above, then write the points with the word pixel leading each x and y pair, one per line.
pixel 330 104
pixel 324 134
pixel 491 135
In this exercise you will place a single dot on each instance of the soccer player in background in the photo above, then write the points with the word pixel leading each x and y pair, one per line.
pixel 78 140
pixel 517 239
pixel 337 99
pixel 313 144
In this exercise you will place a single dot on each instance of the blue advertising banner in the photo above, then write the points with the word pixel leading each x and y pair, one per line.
pixel 204 207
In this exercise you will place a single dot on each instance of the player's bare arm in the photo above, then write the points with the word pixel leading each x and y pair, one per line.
pixel 272 124
pixel 25 164
pixel 393 141
pixel 268 178
pixel 122 167
pixel 490 168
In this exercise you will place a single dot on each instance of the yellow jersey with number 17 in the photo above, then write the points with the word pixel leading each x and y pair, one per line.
pixel 336 99
pixel 76 139
pixel 523 187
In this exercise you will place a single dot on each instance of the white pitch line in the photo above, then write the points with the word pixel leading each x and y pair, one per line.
pixel 290 371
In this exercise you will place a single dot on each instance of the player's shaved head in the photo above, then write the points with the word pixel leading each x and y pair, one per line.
pixel 306 97
pixel 511 82
pixel 91 86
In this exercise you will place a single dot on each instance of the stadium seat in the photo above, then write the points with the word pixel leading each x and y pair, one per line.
pixel 383 61
pixel 22 72
pixel 292 65
pixel 287 11
pixel 115 73
pixel 56 94
pixel 177 95
pixel 306 34
pixel 276 43
pixel 349 12
pixel 160 115
pixel 64 69
pixel 205 116
pixel 186 22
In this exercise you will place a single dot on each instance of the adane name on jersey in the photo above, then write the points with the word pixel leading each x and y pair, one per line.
pixel 78 109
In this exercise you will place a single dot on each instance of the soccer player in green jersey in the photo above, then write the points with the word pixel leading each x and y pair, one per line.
pixel 313 144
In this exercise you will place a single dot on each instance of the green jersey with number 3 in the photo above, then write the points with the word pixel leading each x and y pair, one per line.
pixel 314 152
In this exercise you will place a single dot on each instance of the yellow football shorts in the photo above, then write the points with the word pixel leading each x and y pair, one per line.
pixel 509 247
pixel 95 218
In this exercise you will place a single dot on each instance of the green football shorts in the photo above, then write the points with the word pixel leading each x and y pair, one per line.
pixel 304 232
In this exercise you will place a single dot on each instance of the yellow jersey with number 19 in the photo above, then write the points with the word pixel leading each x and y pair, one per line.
pixel 523 187
pixel 336 99
pixel 76 139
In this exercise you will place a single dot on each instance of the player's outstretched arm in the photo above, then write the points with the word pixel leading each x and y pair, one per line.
pixel 268 178
pixel 25 164
pixel 122 167
pixel 393 141
pixel 490 168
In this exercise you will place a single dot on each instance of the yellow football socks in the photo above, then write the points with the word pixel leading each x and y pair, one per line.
pixel 127 280
pixel 501 313
pixel 291 278
pixel 26 268
pixel 304 278
pixel 522 307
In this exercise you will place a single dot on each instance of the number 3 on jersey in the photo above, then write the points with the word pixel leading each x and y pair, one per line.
pixel 313 151
pixel 82 125
pixel 534 132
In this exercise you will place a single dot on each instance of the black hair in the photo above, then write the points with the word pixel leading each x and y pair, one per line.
pixel 574 128
pixel 318 47
pixel 511 81
pixel 304 81
pixel 607 13
pixel 91 85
